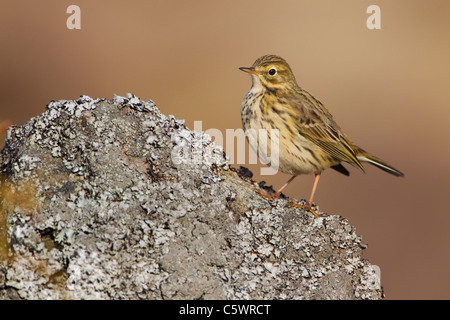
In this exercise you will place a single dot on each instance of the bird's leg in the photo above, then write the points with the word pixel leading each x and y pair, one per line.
pixel 309 205
pixel 277 194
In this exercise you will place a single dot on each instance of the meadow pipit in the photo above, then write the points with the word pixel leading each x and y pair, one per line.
pixel 309 140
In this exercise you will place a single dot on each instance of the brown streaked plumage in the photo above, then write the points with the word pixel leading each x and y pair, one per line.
pixel 309 140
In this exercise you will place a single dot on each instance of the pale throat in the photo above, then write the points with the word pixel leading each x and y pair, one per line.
pixel 257 86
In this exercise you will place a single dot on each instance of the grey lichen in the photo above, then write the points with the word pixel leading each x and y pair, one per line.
pixel 133 204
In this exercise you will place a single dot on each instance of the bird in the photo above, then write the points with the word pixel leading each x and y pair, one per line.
pixel 301 135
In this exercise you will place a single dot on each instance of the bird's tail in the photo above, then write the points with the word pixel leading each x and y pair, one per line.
pixel 367 157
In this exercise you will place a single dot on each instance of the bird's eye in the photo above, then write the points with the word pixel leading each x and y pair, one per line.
pixel 272 72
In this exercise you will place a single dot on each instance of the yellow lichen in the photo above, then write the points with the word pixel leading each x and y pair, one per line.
pixel 20 197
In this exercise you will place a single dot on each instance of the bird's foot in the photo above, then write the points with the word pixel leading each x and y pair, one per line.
pixel 275 195
pixel 307 207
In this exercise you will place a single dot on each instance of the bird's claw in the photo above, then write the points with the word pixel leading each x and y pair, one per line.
pixel 263 194
pixel 307 207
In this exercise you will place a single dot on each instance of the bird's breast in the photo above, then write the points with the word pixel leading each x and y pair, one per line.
pixel 272 134
pixel 250 109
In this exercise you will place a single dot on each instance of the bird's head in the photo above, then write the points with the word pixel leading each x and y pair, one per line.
pixel 272 72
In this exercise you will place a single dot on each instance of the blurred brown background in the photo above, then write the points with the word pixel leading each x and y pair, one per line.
pixel 388 89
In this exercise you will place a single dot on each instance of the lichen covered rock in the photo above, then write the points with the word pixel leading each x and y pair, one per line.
pixel 122 202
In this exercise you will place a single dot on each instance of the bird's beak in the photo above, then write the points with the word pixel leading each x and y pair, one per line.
pixel 249 70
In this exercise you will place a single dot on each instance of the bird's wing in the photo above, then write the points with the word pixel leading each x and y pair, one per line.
pixel 316 124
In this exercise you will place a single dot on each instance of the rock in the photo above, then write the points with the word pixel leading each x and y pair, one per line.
pixel 113 200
